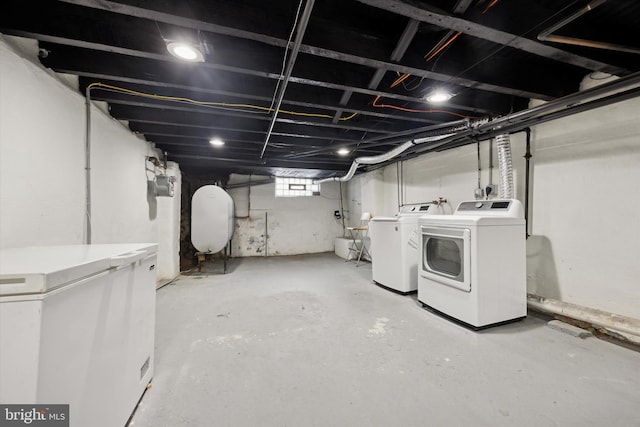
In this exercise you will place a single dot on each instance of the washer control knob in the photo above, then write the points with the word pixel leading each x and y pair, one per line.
pixel 479 205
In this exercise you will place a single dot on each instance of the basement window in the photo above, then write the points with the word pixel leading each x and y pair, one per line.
pixel 296 187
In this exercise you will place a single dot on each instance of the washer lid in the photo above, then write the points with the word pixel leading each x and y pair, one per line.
pixel 409 213
pixel 39 269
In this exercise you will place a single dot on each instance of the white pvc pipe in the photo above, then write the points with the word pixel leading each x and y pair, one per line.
pixel 594 316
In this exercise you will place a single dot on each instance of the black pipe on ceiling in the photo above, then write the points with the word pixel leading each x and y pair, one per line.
pixel 605 94
pixel 621 89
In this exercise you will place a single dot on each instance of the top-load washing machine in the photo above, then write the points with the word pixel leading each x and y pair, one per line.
pixel 473 263
pixel 394 248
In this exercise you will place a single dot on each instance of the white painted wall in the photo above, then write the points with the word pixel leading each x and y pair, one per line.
pixel 41 157
pixel 586 210
pixel 585 205
pixel 122 208
pixel 296 225
pixel 42 165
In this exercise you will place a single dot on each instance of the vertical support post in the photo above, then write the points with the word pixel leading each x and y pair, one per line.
pixel 266 234
pixel 87 166
pixel 527 157
pixel 225 258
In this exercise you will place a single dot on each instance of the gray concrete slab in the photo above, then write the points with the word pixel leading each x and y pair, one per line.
pixel 569 329
pixel 310 341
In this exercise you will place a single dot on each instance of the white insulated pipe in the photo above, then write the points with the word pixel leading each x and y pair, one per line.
pixel 594 316
pixel 505 166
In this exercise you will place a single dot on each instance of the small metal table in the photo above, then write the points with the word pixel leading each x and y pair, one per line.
pixel 358 234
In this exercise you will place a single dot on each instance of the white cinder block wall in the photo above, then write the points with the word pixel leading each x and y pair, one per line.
pixel 42 167
pixel 296 225
pixel 585 203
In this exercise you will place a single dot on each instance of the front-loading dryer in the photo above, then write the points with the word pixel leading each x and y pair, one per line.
pixel 473 263
pixel 394 248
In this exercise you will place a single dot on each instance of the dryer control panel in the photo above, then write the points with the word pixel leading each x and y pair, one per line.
pixel 510 208
pixel 483 205
pixel 421 209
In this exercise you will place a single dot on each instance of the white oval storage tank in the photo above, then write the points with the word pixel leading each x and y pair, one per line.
pixel 212 219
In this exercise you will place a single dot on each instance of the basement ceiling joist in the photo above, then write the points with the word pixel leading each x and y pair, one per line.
pixel 359 80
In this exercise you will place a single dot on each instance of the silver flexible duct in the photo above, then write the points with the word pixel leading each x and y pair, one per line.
pixel 372 160
pixel 505 166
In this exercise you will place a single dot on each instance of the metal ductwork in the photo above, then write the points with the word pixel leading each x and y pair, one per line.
pixel 599 96
pixel 505 166
pixel 372 160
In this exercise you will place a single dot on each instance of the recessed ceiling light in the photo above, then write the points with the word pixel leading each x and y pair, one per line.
pixel 185 51
pixel 217 142
pixel 343 151
pixel 438 96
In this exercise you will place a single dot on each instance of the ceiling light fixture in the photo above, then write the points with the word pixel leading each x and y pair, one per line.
pixel 216 142
pixel 439 96
pixel 185 51
pixel 343 151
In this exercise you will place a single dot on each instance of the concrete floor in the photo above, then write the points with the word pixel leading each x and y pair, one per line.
pixel 310 341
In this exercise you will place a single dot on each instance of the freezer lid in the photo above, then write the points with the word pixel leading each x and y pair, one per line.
pixel 39 269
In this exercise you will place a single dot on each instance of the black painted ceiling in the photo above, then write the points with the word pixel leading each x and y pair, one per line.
pixel 358 80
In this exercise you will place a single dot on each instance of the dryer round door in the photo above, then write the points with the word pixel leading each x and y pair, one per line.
pixel 446 256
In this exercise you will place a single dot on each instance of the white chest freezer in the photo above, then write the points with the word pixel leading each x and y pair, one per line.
pixel 77 327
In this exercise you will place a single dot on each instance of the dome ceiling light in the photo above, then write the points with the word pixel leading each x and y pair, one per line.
pixel 438 96
pixel 185 52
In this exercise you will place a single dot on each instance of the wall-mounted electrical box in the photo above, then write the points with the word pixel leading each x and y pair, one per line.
pixel 164 186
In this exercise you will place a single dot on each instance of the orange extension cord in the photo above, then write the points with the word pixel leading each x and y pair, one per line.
pixel 428 58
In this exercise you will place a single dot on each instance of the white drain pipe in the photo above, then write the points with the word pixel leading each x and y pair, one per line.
pixel 594 316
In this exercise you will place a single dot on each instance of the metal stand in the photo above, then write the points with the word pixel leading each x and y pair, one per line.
pixel 225 258
pixel 202 257
pixel 358 233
